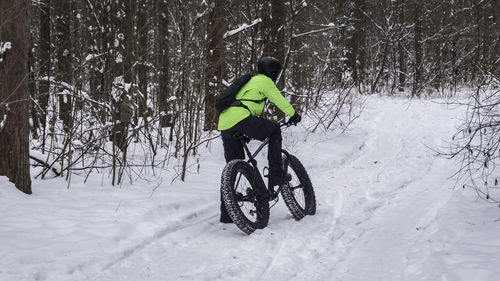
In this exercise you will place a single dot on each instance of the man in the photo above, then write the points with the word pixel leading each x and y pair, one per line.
pixel 244 118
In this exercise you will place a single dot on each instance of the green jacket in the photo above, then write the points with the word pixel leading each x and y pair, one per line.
pixel 257 89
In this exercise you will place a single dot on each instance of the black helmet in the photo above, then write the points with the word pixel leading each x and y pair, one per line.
pixel 270 67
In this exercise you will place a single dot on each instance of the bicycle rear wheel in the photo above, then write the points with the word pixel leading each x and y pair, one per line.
pixel 298 194
pixel 244 199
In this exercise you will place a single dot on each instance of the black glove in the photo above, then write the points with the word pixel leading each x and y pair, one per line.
pixel 295 118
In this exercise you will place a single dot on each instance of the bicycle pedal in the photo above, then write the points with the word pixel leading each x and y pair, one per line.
pixel 273 195
pixel 239 196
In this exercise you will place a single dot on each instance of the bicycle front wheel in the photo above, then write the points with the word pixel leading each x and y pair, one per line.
pixel 244 199
pixel 298 194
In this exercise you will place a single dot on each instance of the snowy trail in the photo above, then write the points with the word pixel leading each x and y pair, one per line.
pixel 385 174
pixel 385 186
pixel 386 211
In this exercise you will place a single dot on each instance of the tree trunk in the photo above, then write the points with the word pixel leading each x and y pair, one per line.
pixel 44 70
pixel 14 96
pixel 417 45
pixel 164 64
pixel 143 23
pixel 355 56
pixel 382 67
pixel 123 111
pixel 401 53
pixel 274 44
pixel 215 62
pixel 64 58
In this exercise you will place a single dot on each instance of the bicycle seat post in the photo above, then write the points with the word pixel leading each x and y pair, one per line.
pixel 251 158
pixel 262 145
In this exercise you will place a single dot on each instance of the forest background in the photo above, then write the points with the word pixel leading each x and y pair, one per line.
pixel 128 87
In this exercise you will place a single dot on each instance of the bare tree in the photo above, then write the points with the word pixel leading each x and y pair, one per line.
pixel 118 76
pixel 355 51
pixel 477 142
pixel 14 96
pixel 64 60
pixel 417 47
pixel 45 66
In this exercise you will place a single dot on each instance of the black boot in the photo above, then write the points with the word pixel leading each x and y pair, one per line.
pixel 224 216
pixel 279 180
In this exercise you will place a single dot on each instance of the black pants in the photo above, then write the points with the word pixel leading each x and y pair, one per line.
pixel 255 128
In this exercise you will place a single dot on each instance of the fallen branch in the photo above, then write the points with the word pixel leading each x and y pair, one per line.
pixel 45 164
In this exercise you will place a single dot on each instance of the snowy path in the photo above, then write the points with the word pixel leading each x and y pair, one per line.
pixel 386 211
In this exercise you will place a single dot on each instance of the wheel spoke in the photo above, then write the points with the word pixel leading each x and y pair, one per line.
pixel 238 181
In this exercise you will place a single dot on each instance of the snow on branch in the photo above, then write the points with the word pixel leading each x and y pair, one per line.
pixel 241 28
pixel 71 89
pixel 330 26
pixel 39 158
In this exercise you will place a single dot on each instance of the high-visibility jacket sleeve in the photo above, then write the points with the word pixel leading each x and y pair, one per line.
pixel 270 90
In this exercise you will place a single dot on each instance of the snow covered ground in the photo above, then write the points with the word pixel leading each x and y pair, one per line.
pixel 386 211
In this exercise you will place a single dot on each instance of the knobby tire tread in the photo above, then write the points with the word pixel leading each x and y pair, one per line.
pixel 227 183
pixel 288 196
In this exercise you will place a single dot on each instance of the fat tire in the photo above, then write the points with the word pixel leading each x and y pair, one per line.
pixel 298 212
pixel 228 179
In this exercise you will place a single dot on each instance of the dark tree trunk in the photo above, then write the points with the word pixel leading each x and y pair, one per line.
pixel 417 46
pixel 143 23
pixel 401 53
pixel 164 62
pixel 44 70
pixel 274 45
pixel 14 96
pixel 64 60
pixel 355 55
pixel 215 62
pixel 127 27
pixel 123 111
pixel 274 42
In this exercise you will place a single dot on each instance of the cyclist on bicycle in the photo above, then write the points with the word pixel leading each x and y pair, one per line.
pixel 244 118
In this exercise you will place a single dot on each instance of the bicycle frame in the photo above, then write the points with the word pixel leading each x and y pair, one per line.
pixel 257 151
pixel 251 157
pixel 253 161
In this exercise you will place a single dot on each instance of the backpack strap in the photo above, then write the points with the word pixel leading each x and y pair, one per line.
pixel 239 103
pixel 256 101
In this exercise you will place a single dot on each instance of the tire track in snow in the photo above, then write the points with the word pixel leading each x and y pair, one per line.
pixel 304 273
pixel 348 160
pixel 409 159
pixel 379 199
pixel 167 230
pixel 277 253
